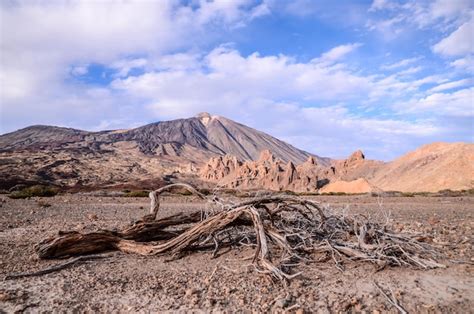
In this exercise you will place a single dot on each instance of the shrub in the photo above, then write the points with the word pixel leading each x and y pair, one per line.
pixel 36 190
pixel 334 193
pixel 139 193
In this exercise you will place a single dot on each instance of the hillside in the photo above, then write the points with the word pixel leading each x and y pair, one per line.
pixel 430 168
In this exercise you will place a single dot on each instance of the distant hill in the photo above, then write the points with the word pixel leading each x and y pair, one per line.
pixel 430 168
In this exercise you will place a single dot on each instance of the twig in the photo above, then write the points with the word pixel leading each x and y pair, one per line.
pixel 392 300
pixel 57 267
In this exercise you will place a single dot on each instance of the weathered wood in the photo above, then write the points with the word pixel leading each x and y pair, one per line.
pixel 284 226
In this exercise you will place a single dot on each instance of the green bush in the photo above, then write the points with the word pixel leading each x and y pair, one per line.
pixel 451 193
pixel 139 193
pixel 36 190
pixel 334 193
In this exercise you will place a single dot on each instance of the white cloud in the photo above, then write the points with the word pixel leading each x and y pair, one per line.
pixel 400 64
pixel 450 8
pixel 458 43
pixel 226 78
pixel 400 17
pixel 49 37
pixel 124 66
pixel 382 5
pixel 79 70
pixel 463 64
pixel 455 104
pixel 339 52
pixel 410 71
pixel 451 85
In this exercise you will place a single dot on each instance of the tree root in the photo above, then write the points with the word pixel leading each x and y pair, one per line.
pixel 283 229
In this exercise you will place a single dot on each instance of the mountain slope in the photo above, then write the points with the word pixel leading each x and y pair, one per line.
pixel 194 139
pixel 37 136
pixel 430 168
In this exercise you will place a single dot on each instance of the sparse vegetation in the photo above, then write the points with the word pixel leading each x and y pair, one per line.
pixel 441 193
pixel 335 193
pixel 137 193
pixel 451 193
pixel 34 191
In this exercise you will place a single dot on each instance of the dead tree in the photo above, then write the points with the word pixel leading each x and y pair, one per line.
pixel 283 229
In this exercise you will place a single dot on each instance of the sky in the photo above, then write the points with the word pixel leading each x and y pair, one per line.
pixel 329 77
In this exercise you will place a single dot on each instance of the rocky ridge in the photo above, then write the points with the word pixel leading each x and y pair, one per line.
pixel 269 172
pixel 431 168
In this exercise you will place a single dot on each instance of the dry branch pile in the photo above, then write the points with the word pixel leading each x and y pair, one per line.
pixel 283 229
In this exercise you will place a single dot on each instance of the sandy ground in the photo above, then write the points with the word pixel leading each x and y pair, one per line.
pixel 129 283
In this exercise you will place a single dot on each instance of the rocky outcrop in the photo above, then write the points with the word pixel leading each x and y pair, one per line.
pixel 219 167
pixel 431 168
pixel 268 172
pixel 355 166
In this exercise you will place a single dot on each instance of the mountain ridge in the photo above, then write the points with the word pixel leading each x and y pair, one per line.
pixel 180 149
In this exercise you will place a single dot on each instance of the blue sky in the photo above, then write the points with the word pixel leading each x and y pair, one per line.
pixel 329 77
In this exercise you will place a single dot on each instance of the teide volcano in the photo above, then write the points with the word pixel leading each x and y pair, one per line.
pixel 70 157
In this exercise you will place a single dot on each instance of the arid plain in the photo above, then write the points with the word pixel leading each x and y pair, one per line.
pixel 197 281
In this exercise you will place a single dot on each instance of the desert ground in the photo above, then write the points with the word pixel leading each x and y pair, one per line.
pixel 197 282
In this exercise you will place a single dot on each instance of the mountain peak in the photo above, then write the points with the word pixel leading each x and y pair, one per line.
pixel 357 155
pixel 205 117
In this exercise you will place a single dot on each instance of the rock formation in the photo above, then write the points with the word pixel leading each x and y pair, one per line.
pixel 429 169
pixel 268 172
